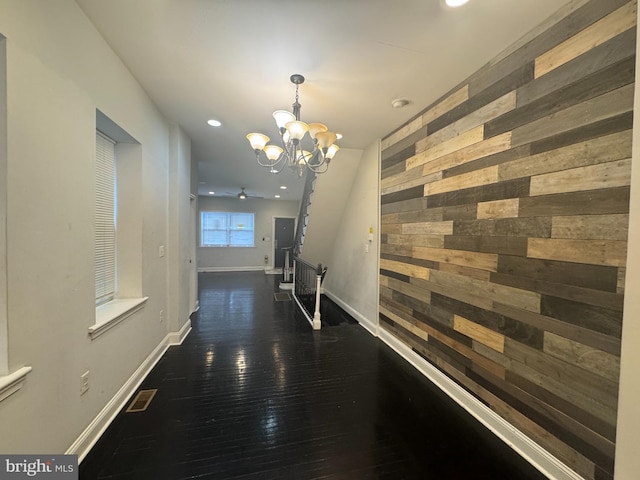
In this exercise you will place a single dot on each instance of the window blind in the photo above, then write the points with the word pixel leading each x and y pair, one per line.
pixel 105 247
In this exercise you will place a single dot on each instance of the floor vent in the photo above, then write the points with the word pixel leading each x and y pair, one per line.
pixel 141 400
pixel 282 297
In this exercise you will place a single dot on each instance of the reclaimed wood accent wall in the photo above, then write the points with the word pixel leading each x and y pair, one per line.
pixel 504 217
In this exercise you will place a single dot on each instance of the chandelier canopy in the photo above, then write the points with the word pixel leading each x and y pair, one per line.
pixel 316 157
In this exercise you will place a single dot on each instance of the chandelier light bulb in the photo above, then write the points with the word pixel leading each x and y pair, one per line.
pixel 257 141
pixel 315 128
pixel 326 139
pixel 297 129
pixel 282 117
pixel 331 151
pixel 273 152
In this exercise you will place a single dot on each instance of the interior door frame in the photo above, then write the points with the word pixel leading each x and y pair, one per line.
pixel 272 263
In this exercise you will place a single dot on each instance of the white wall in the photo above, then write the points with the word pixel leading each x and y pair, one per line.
pixel 330 199
pixel 352 276
pixel 627 463
pixel 217 258
pixel 59 71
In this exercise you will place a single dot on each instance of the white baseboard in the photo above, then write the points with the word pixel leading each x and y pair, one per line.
pixel 518 441
pixel 231 269
pixel 97 427
pixel 369 325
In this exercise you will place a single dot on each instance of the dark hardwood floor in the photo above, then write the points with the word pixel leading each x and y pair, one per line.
pixel 254 392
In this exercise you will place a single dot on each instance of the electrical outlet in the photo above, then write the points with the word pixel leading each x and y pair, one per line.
pixel 161 251
pixel 84 382
pixel 161 316
pixel 266 259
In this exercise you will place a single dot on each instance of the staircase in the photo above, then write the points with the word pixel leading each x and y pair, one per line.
pixel 303 214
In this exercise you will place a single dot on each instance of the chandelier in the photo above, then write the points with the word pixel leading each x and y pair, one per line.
pixel 293 154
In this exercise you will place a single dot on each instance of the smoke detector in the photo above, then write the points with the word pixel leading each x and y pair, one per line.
pixel 399 103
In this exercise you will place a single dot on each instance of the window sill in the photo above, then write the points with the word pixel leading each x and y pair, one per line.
pixel 112 313
pixel 10 384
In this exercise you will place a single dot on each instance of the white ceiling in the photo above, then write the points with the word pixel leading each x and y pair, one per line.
pixel 232 59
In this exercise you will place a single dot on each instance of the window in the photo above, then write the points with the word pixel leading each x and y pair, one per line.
pixel 118 226
pixel 226 229
pixel 105 219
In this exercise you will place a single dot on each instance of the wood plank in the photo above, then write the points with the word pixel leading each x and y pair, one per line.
pixel 466 180
pixel 466 296
pixel 463 140
pixel 410 205
pixel 592 252
pixel 593 177
pixel 496 322
pixel 593 423
pixel 392 170
pixel 460 212
pixel 618 21
pixel 586 336
pixel 473 119
pixel 590 392
pixel 409 179
pixel 415 291
pixel 591 359
pixel 564 96
pixel 497 158
pixel 420 262
pixel 622 272
pixel 450 102
pixel 591 227
pixel 608 148
pixel 406 130
pixel 413 271
pixel 516 246
pixel 594 277
pixel 484 275
pixel 391 159
pixel 605 106
pixel 617 123
pixel 486 193
pixel 426 215
pixel 391 228
pixel 408 194
pixel 601 57
pixel 397 276
pixel 580 295
pixel 435 241
pixel 594 202
pixel 391 249
pixel 502 87
pixel 499 208
pixel 598 317
pixel 491 291
pixel 479 333
pixel 404 323
pixel 482 261
pixel 427 228
pixel 468 154
pixel 562 425
pixel 505 227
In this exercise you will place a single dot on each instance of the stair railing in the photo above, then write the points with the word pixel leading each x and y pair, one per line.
pixel 307 288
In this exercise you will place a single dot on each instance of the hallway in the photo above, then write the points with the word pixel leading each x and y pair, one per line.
pixel 253 392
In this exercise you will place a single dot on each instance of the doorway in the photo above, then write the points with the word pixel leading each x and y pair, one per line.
pixel 283 237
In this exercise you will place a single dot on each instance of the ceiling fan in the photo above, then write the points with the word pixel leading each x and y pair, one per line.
pixel 242 195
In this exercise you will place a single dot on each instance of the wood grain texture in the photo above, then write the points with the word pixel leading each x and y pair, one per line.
pixel 591 252
pixel 522 226
pixel 613 24
pixel 594 177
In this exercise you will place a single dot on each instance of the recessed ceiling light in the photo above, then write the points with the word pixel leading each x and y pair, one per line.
pixel 277 196
pixel 212 193
pixel 214 123
pixel 283 187
pixel 455 3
